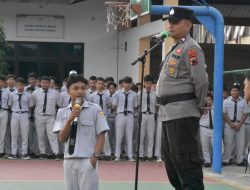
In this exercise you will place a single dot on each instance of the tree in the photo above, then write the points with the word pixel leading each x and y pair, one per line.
pixel 3 50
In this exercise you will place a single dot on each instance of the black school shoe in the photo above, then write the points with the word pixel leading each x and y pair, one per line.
pixel 12 157
pixel 242 164
pixel 42 156
pixel 207 165
pixel 225 164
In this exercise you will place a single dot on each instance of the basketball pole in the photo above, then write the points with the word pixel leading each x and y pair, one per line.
pixel 142 60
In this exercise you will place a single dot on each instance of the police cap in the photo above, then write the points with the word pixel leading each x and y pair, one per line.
pixel 176 14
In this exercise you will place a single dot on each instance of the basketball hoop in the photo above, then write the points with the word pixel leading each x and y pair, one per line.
pixel 118 13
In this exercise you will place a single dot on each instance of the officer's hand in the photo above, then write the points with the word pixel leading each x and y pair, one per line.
pixel 93 161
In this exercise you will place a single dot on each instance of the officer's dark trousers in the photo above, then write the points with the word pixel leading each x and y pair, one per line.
pixel 182 154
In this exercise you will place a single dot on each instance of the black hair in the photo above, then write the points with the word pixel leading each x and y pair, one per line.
pixel 100 79
pixel 30 89
pixel 109 79
pixel 236 85
pixel 210 88
pixel 112 83
pixel 92 78
pixel 53 78
pixel 127 79
pixel 138 84
pixel 148 78
pixel 2 78
pixel 134 88
pixel 225 88
pixel 120 81
pixel 210 95
pixel 74 78
pixel 248 75
pixel 32 75
pixel 11 76
pixel 45 78
pixel 21 80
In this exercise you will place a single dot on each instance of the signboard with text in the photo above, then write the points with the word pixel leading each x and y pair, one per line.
pixel 35 26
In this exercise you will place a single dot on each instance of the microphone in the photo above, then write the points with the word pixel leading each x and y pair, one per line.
pixel 77 106
pixel 160 36
pixel 72 140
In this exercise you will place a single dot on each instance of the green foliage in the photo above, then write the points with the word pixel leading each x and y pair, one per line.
pixel 3 50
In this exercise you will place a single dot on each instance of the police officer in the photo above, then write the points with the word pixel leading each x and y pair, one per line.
pixel 125 104
pixel 45 101
pixel 247 96
pixel 181 90
pixel 235 114
pixel 148 118
pixel 247 134
pixel 247 86
pixel 80 168
pixel 4 96
pixel 20 103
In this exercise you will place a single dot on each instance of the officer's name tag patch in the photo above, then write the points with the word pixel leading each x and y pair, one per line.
pixel 101 113
pixel 192 54
pixel 176 56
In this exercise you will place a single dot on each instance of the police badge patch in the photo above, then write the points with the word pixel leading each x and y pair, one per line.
pixel 192 55
pixel 172 62
pixel 171 70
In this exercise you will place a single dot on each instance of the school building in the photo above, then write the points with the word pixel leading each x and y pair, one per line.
pixel 52 37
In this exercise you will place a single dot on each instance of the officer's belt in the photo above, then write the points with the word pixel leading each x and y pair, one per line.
pixel 3 109
pixel 163 100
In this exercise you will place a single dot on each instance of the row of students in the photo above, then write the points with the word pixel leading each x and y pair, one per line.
pixel 236 129
pixel 45 100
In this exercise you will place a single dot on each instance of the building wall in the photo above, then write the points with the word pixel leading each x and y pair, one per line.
pixel 132 37
pixel 84 23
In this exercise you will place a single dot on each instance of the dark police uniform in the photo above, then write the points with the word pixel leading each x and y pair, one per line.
pixel 181 90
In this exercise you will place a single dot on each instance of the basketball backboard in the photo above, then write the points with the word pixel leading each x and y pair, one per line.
pixel 145 8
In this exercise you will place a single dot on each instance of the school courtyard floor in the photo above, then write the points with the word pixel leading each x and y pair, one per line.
pixel 48 175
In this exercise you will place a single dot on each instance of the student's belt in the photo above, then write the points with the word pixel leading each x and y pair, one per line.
pixel 235 121
pixel 163 100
